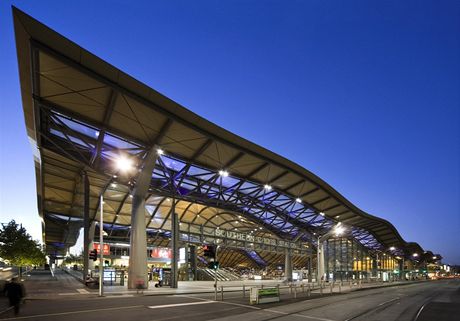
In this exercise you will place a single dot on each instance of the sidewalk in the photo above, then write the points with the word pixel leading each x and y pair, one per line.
pixel 66 285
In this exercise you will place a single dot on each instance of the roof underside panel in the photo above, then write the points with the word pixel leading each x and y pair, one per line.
pixel 81 113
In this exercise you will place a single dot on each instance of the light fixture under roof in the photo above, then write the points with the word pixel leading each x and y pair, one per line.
pixel 123 163
pixel 321 213
pixel 298 200
pixel 223 173
pixel 267 187
pixel 339 230
pixel 113 184
pixel 160 151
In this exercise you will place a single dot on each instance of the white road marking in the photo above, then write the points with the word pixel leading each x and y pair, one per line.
pixel 275 311
pixel 310 317
pixel 71 293
pixel 83 291
pixel 73 312
pixel 178 304
pixel 222 302
pixel 240 305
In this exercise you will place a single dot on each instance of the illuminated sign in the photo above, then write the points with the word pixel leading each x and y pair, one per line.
pixel 252 238
pixel 106 248
pixel 161 253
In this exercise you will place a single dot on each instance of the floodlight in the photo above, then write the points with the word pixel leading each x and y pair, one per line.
pixel 339 230
pixel 223 173
pixel 124 164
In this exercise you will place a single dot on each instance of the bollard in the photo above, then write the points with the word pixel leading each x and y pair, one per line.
pixel 262 286
pixel 308 290
pixel 215 292
pixel 320 290
pixel 351 285
pixel 244 291
pixel 278 288
pixel 222 293
pixel 290 288
pixel 303 288
pixel 332 286
pixel 295 291
pixel 340 287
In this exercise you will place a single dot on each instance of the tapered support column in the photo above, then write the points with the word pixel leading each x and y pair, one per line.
pixel 137 271
pixel 309 267
pixel 320 261
pixel 174 244
pixel 288 266
pixel 86 225
pixel 192 258
pixel 92 229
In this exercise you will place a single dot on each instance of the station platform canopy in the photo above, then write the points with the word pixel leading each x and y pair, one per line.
pixel 82 114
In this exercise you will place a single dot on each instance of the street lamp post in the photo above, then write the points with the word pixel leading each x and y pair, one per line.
pixel 101 248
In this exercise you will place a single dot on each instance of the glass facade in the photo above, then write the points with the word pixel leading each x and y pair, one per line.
pixel 346 259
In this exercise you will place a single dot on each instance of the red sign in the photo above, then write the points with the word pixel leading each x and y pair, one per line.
pixel 106 248
pixel 161 253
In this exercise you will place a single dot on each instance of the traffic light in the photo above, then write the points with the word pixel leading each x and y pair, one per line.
pixel 209 251
pixel 213 265
pixel 93 255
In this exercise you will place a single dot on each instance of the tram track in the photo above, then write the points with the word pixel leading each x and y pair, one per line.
pixel 375 309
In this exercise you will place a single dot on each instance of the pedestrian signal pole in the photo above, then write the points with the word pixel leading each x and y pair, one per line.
pixel 101 247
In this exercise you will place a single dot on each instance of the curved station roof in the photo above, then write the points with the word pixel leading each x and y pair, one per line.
pixel 82 113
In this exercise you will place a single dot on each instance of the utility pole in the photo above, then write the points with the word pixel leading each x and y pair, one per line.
pixel 101 247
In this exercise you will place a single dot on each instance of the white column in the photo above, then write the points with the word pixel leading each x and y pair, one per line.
pixel 137 271
pixel 320 261
pixel 288 265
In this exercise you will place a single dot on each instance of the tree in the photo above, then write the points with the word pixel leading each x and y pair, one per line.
pixel 18 248
pixel 73 259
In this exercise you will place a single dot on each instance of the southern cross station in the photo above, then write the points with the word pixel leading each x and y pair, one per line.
pixel 169 183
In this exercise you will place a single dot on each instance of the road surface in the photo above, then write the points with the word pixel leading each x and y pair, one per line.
pixel 433 300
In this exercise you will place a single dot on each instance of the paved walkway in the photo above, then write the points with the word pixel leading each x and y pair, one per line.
pixel 43 285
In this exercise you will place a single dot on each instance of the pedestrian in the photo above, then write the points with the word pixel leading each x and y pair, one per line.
pixel 15 292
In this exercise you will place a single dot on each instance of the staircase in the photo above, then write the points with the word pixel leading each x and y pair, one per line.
pixel 253 255
pixel 220 275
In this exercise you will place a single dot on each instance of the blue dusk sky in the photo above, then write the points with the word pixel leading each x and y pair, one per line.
pixel 365 94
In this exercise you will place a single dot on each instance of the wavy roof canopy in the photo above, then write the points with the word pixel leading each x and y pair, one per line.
pixel 66 89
